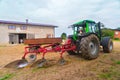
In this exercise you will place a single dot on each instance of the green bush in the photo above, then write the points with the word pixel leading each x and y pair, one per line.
pixel 64 36
pixel 116 39
pixel 108 32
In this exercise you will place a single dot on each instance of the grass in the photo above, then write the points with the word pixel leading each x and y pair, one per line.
pixel 116 40
pixel 112 74
pixel 105 75
pixel 117 62
pixel 7 77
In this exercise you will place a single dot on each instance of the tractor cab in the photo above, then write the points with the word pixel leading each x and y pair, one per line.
pixel 86 27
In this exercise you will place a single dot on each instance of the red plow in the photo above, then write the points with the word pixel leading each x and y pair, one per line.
pixel 43 46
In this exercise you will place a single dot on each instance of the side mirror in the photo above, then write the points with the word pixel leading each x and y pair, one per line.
pixel 100 24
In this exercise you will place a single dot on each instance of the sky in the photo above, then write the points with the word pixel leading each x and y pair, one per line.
pixel 61 13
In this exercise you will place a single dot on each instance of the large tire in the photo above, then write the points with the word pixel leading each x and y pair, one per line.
pixel 89 47
pixel 107 44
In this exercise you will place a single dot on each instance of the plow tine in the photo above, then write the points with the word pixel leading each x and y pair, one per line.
pixel 61 61
pixel 42 63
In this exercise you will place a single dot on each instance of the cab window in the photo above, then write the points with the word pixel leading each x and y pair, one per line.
pixel 92 27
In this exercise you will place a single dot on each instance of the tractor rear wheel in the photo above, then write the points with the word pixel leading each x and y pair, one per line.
pixel 89 47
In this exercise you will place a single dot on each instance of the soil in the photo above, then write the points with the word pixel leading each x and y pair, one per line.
pixel 105 67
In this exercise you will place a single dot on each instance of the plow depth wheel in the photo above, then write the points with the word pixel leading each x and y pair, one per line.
pixel 31 57
pixel 89 47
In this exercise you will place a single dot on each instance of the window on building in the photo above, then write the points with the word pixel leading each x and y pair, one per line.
pixel 11 27
pixel 23 27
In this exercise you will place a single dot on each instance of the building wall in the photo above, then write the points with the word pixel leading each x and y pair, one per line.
pixel 117 34
pixel 40 32
pixel 4 36
pixel 37 31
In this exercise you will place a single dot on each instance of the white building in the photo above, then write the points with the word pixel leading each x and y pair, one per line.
pixel 15 32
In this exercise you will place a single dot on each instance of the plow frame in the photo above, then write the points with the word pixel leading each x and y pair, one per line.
pixel 53 47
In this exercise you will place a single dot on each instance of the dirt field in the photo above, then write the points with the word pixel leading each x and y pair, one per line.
pixel 105 67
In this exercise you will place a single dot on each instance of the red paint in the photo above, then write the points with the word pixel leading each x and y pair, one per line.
pixel 117 34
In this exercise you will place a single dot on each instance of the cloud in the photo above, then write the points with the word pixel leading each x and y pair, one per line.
pixel 62 12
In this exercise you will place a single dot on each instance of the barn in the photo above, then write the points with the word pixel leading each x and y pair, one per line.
pixel 14 32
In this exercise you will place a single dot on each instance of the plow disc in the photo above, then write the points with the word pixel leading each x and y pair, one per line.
pixel 38 64
pixel 17 64
pixel 22 63
pixel 30 59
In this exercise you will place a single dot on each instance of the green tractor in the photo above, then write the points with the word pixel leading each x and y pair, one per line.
pixel 87 36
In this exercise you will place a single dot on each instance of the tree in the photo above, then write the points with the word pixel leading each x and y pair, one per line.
pixel 118 28
pixel 64 36
pixel 107 32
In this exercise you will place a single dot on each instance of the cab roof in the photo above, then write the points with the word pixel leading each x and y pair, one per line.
pixel 84 21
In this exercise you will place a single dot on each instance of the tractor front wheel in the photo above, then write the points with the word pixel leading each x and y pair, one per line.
pixel 89 47
pixel 107 44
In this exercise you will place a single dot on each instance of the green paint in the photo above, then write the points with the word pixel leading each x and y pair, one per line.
pixel 84 24
pixel 87 28
pixel 87 21
pixel 74 35
pixel 77 23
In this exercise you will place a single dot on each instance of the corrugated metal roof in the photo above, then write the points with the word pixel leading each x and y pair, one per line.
pixel 24 23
